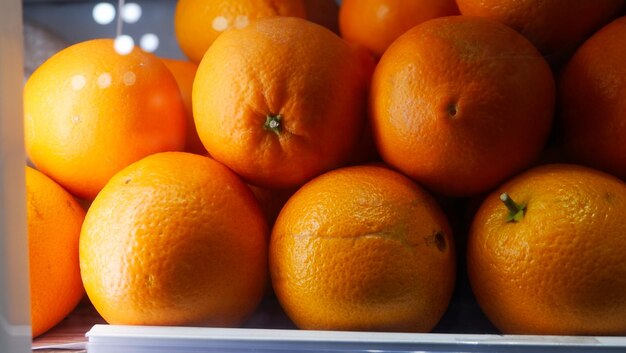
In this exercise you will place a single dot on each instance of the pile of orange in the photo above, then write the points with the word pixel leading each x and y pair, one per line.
pixel 308 148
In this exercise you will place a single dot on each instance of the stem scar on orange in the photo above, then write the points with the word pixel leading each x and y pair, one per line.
pixel 280 101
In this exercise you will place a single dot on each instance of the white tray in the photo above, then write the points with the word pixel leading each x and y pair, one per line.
pixel 139 339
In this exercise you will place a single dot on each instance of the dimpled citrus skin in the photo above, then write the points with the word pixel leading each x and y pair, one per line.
pixel 362 248
pixel 90 111
pixel 175 239
pixel 460 103
pixel 54 221
pixel 592 101
pixel 560 269
pixel 199 22
pixel 287 69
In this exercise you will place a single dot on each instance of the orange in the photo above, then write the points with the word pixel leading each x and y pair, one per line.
pixel 54 221
pixel 461 103
pixel 280 101
pixel 323 12
pixel 90 111
pixel 184 72
pixel 555 263
pixel 198 23
pixel 362 248
pixel 592 101
pixel 375 24
pixel 174 239
pixel 553 26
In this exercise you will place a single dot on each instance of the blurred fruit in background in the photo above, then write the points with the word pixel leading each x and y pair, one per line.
pixel 199 22
pixel 175 239
pixel 362 248
pixel 90 111
pixel 280 101
pixel 461 103
pixel 592 101
pixel 54 222
pixel 375 24
pixel 184 72
pixel 550 259
pixel 555 27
